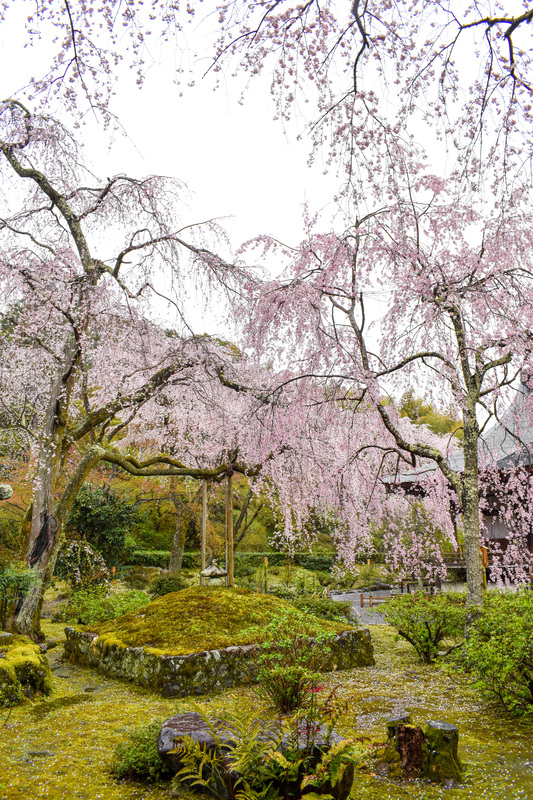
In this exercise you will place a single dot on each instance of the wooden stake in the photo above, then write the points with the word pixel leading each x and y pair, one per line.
pixel 204 529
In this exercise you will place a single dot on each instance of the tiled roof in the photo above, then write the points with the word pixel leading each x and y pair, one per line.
pixel 509 442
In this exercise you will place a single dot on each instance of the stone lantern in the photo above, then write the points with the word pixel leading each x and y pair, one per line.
pixel 215 575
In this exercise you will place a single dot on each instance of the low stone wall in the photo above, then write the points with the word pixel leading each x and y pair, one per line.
pixel 197 673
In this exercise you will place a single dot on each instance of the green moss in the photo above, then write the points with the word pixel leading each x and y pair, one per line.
pixel 81 737
pixel 203 618
pixel 23 669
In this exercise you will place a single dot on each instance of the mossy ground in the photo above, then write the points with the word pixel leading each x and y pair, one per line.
pixel 80 734
pixel 204 618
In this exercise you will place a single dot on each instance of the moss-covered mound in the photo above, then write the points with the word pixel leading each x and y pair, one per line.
pixel 206 618
pixel 24 670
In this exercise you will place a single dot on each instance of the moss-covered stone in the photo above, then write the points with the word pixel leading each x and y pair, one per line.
pixel 24 670
pixel 429 752
pixel 441 761
pixel 201 640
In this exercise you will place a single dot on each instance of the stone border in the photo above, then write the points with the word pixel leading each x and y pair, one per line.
pixel 197 673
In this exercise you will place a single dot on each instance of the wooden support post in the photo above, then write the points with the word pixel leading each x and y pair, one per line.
pixel 485 562
pixel 229 530
pixel 204 529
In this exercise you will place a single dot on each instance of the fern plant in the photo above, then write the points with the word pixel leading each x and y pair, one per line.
pixel 234 769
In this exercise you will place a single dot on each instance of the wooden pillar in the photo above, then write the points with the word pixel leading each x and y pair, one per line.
pixel 204 528
pixel 229 529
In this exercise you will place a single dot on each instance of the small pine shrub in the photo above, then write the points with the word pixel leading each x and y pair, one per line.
pixel 138 759
pixel 165 584
pixel 426 622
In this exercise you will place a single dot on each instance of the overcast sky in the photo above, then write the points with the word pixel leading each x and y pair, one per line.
pixel 236 160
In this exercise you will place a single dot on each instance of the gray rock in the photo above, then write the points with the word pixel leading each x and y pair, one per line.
pixel 62 673
pixel 192 724
pixel 188 724
pixel 5 638
pixel 6 491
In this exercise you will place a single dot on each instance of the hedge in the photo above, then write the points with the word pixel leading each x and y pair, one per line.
pixel 161 558
pixel 191 559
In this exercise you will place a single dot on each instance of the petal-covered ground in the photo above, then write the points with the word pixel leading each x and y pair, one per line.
pixel 62 748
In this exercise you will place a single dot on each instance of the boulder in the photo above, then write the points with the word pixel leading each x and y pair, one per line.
pixel 194 725
pixel 24 671
pixel 442 761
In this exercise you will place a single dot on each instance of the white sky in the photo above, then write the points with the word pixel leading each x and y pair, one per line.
pixel 236 160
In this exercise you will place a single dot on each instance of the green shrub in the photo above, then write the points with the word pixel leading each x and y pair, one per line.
pixel 287 663
pixel 368 574
pixel 138 759
pixel 101 517
pixel 323 607
pixel 287 687
pixel 289 593
pixel 315 563
pixel 243 569
pixel 325 578
pixel 165 584
pixel 499 651
pixel 426 622
pixel 15 580
pixel 98 604
pixel 344 579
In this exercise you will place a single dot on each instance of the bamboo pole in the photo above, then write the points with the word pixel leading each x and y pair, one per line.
pixel 204 529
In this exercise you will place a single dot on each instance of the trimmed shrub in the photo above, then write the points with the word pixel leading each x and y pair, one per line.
pixel 138 759
pixel 318 563
pixel 150 558
pixel 323 607
pixel 427 622
pixel 499 651
pixel 165 584
pixel 161 558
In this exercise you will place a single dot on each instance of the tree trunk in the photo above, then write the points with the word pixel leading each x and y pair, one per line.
pixel 45 537
pixel 178 543
pixel 474 565
pixel 180 531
